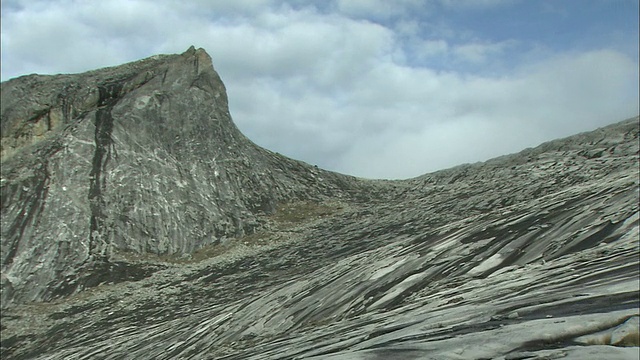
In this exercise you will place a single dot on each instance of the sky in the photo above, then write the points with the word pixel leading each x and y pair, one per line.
pixel 370 88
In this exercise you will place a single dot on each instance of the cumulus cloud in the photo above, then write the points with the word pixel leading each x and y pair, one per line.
pixel 378 9
pixel 72 36
pixel 358 87
pixel 475 118
pixel 480 52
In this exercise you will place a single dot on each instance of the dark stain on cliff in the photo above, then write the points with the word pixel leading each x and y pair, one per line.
pixel 97 180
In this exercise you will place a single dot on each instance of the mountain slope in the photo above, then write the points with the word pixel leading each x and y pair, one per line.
pixel 529 255
pixel 140 158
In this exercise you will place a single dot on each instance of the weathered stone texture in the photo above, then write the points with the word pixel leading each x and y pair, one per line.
pixel 140 158
pixel 137 222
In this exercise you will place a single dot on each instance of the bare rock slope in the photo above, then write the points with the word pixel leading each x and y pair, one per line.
pixel 137 222
pixel 141 158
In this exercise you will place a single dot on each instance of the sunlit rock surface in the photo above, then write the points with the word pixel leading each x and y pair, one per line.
pixel 138 223
pixel 137 159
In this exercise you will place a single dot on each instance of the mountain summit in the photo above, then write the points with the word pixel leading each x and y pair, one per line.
pixel 138 159
pixel 138 222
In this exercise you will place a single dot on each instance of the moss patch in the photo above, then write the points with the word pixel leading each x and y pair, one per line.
pixel 209 251
pixel 299 212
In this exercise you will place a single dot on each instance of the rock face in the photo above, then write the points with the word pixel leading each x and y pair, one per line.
pixel 137 222
pixel 140 158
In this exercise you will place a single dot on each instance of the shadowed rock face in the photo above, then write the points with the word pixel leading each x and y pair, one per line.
pixel 137 222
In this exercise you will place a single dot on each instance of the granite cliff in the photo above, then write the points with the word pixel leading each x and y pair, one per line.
pixel 137 159
pixel 138 222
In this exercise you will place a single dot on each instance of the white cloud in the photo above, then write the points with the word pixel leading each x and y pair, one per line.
pixel 475 4
pixel 476 118
pixel 480 52
pixel 227 8
pixel 326 49
pixel 378 9
pixel 430 48
pixel 71 36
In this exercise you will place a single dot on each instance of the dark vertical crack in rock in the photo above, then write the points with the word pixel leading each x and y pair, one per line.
pixel 97 177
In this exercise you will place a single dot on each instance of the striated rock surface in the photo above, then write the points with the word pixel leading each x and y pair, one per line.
pixel 137 159
pixel 137 222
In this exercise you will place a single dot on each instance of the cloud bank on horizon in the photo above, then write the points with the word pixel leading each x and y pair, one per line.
pixel 372 88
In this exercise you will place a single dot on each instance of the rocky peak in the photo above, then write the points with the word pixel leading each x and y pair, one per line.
pixel 35 105
pixel 141 158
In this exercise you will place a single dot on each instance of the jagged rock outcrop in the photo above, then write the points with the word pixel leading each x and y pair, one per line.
pixel 530 255
pixel 140 158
